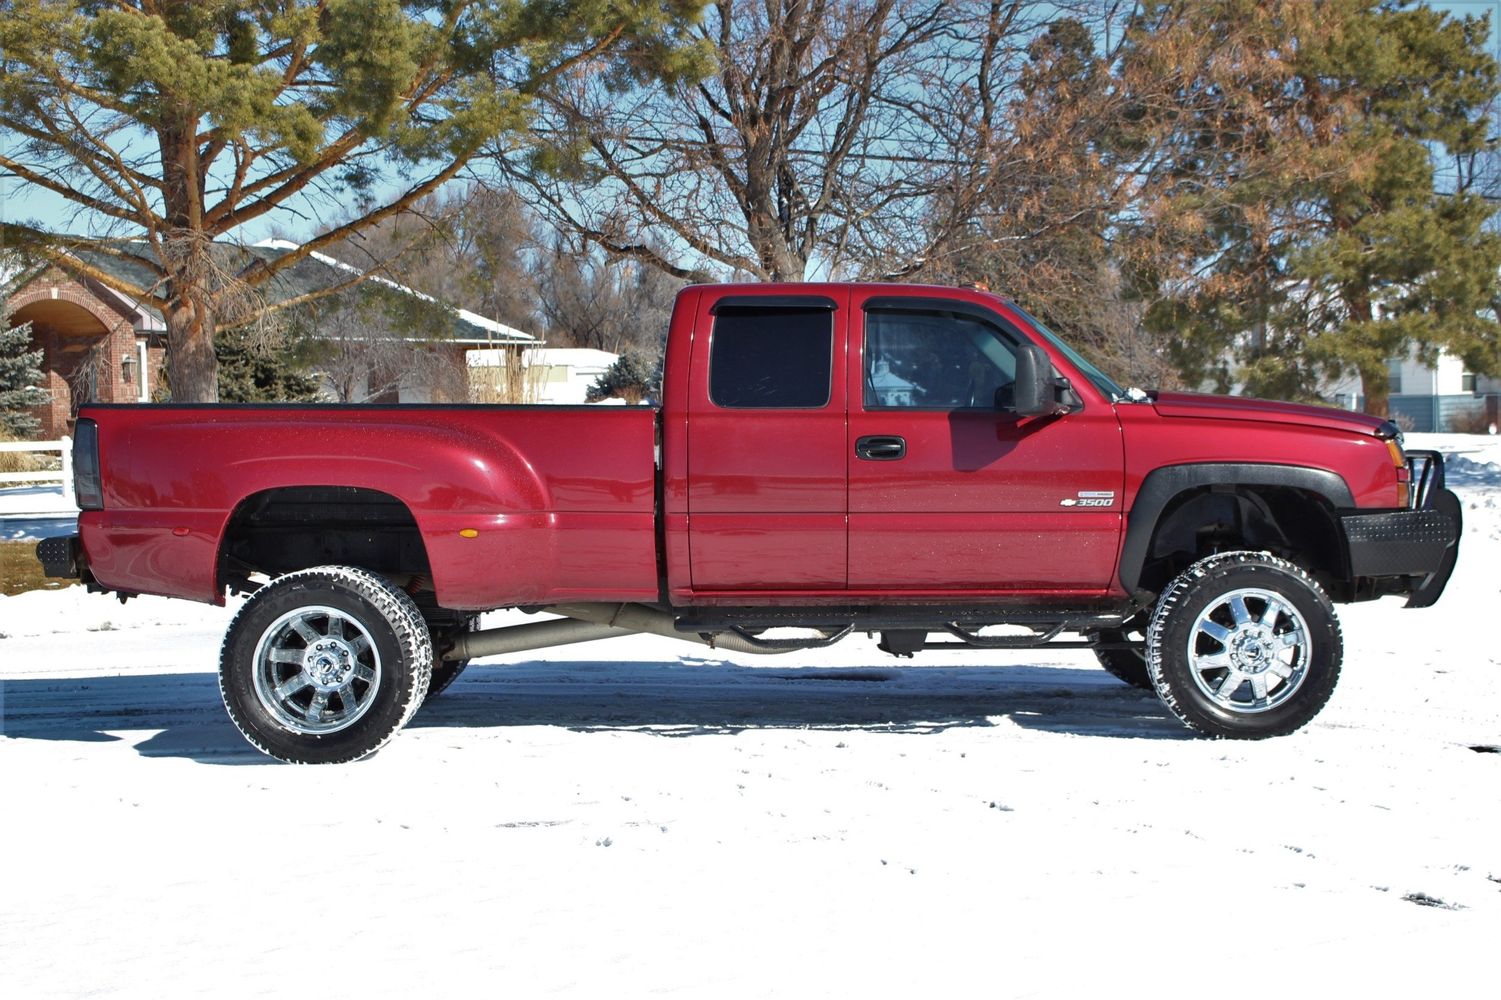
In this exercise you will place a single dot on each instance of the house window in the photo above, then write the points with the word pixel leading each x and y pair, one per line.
pixel 1394 377
pixel 771 357
pixel 1467 382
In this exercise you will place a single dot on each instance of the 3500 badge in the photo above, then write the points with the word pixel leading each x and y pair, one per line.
pixel 1090 498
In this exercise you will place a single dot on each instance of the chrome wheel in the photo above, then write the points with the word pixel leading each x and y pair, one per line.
pixel 1249 650
pixel 325 665
pixel 317 670
pixel 1244 645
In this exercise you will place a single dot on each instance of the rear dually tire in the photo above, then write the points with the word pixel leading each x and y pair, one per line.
pixel 325 665
pixel 1127 665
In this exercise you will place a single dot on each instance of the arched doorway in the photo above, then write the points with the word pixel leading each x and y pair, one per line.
pixel 83 343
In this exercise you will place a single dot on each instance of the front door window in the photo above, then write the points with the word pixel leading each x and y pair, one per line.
pixel 935 361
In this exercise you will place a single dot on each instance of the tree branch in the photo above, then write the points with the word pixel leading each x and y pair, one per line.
pixel 262 271
pixel 66 190
pixel 55 249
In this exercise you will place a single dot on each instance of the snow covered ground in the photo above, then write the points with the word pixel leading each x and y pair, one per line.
pixel 50 506
pixel 641 818
pixel 30 513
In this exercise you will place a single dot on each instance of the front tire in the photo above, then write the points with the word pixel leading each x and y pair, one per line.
pixel 1244 645
pixel 325 665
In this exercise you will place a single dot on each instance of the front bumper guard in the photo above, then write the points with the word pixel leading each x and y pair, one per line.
pixel 1420 543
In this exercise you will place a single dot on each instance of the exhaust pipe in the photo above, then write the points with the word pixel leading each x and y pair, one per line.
pixel 640 618
pixel 533 635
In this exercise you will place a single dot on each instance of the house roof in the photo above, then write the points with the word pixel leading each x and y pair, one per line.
pixel 465 322
pixel 314 273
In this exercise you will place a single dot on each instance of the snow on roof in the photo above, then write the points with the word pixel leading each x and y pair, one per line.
pixel 495 327
pixel 581 358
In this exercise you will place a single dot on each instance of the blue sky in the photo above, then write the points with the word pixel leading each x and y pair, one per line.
pixel 302 217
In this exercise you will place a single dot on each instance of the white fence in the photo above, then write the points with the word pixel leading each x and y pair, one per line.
pixel 45 494
pixel 63 475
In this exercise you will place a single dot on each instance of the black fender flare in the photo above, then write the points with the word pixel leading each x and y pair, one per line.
pixel 1162 485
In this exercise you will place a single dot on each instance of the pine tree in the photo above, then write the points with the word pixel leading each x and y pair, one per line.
pixel 178 123
pixel 20 377
pixel 1303 169
pixel 250 374
pixel 632 378
pixel 1399 264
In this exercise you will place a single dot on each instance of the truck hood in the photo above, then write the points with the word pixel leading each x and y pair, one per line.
pixel 1205 406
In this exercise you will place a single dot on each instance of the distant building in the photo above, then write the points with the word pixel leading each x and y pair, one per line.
pixel 889 388
pixel 99 345
pixel 1443 396
pixel 558 375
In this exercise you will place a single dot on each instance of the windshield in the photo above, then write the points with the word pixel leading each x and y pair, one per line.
pixel 1101 381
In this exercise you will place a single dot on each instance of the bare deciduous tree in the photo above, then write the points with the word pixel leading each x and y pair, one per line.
pixel 1037 213
pixel 796 154
pixel 364 356
pixel 614 305
pixel 468 247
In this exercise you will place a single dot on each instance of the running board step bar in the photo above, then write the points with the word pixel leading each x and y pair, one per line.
pixel 588 622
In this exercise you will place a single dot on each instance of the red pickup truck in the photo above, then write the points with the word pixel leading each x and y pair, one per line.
pixel 921 462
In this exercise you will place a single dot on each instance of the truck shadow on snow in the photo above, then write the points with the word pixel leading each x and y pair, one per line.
pixel 684 698
pixel 692 697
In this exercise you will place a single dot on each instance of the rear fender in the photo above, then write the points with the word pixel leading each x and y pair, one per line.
pixel 167 503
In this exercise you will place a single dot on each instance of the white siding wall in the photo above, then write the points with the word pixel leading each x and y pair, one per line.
pixel 562 375
pixel 1446 379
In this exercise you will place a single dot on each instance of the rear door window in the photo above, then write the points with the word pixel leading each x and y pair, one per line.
pixel 771 357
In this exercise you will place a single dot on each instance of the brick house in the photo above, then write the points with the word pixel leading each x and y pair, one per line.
pixel 99 345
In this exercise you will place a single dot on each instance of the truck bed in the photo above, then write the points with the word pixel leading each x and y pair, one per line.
pixel 514 504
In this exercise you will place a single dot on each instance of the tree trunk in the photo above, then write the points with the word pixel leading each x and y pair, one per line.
pixel 779 262
pixel 1375 387
pixel 193 369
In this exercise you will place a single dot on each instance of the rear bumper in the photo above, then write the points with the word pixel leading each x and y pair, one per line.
pixel 1414 549
pixel 61 557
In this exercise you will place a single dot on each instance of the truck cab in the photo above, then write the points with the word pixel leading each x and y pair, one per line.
pixel 845 443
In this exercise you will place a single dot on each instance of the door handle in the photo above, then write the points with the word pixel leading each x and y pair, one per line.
pixel 881 447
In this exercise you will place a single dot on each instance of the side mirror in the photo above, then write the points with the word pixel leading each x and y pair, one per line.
pixel 1035 392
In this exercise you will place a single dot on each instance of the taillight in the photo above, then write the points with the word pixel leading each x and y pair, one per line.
pixel 88 488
